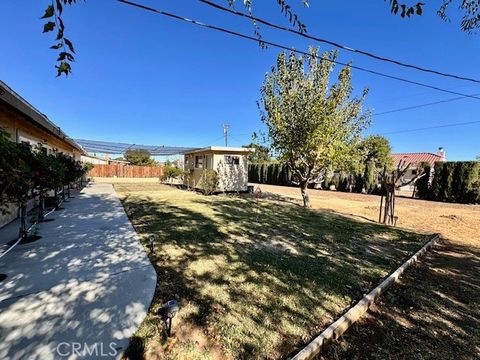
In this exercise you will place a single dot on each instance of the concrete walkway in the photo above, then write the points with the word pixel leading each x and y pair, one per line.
pixel 82 290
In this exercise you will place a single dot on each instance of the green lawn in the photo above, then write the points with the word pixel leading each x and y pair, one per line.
pixel 255 279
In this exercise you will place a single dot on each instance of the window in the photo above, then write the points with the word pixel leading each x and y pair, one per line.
pixel 199 162
pixel 414 171
pixel 232 160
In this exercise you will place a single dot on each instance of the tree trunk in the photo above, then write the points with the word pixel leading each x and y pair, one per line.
pixel 23 221
pixel 306 198
pixel 41 206
pixel 56 199
pixel 386 213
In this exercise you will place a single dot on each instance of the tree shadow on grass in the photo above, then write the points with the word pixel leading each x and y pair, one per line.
pixel 434 309
pixel 262 278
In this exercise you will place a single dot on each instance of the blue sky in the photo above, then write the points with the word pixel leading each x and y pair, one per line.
pixel 143 78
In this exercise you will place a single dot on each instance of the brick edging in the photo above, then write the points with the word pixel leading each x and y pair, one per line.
pixel 335 330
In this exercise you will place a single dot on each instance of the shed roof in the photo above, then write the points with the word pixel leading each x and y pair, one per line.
pixel 9 96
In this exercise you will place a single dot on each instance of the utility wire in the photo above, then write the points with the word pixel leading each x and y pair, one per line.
pixel 335 44
pixel 261 41
pixel 420 105
pixel 432 127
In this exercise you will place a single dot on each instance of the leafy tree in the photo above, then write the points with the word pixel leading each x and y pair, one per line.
pixel 10 176
pixel 374 154
pixel 312 125
pixel 59 170
pixel 470 10
pixel 261 154
pixel 72 171
pixel 140 157
pixel 48 171
pixel 376 148
pixel 17 165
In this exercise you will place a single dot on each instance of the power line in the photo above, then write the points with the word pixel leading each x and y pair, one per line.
pixel 230 32
pixel 335 44
pixel 421 105
pixel 206 141
pixel 432 127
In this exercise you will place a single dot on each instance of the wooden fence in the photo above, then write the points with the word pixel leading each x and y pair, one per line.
pixel 126 171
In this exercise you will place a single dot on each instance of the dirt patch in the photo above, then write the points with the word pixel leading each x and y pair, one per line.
pixel 277 244
pixel 451 217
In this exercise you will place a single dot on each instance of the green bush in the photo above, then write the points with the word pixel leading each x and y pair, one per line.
pixel 341 182
pixel 423 184
pixel 209 181
pixel 171 172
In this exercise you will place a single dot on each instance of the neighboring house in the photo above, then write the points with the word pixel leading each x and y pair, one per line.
pixel 26 124
pixel 415 161
pixel 230 163
pixel 95 160
pixel 91 159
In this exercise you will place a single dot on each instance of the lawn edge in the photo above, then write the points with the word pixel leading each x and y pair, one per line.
pixel 337 328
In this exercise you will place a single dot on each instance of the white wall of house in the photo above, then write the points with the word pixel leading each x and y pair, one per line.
pixel 93 160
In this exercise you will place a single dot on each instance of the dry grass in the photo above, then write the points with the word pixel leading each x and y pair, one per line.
pixel 255 280
pixel 457 222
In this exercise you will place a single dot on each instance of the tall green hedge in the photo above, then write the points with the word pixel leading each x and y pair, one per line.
pixel 270 173
pixel 453 181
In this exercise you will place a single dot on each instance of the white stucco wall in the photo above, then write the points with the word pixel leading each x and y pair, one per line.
pixel 232 177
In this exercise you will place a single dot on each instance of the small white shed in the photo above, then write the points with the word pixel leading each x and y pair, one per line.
pixel 230 163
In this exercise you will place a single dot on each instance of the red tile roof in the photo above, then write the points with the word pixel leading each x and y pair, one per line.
pixel 416 158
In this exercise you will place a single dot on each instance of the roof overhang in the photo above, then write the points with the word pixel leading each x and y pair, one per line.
pixel 9 96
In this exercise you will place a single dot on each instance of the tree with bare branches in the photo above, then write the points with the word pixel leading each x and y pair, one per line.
pixel 390 183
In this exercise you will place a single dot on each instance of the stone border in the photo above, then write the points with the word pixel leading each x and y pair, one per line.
pixel 335 330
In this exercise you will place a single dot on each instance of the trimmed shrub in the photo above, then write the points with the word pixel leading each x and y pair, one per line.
pixel 455 182
pixel 370 178
pixel 270 173
pixel 423 184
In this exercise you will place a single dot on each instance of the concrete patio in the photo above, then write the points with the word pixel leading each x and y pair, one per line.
pixel 82 290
